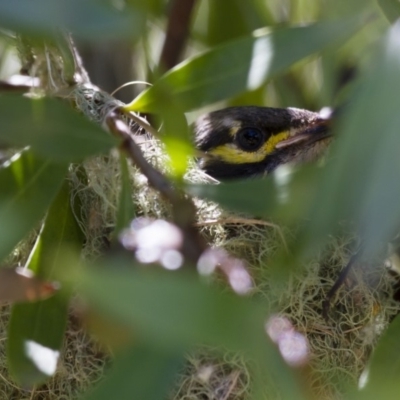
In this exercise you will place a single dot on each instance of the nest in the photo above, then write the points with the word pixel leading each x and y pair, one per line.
pixel 339 348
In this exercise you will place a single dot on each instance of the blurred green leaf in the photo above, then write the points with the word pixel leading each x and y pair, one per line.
pixel 28 186
pixel 140 372
pixel 381 377
pixel 175 136
pixel 235 195
pixel 174 311
pixel 90 19
pixel 36 329
pixel 337 9
pixel 243 64
pixel 282 194
pixel 243 16
pixel 391 9
pixel 153 6
pixel 52 129
pixel 361 181
pixel 173 299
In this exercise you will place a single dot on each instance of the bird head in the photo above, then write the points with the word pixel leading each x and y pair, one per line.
pixel 239 142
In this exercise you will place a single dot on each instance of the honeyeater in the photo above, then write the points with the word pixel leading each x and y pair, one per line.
pixel 240 142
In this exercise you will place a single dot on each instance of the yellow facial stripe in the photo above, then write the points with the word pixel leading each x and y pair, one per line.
pixel 269 145
pixel 231 154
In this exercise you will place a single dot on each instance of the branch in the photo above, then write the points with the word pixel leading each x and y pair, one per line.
pixel 183 209
pixel 155 178
pixel 177 32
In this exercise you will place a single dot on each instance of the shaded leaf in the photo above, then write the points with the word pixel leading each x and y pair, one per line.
pixel 36 330
pixel 175 311
pixel 243 64
pixel 153 6
pixel 175 136
pixel 381 378
pixel 85 18
pixel 246 20
pixel 140 372
pixel 361 182
pixel 28 185
pixel 282 194
pixel 204 306
pixel 391 9
pixel 52 129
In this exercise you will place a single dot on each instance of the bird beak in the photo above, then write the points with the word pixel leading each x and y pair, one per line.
pixel 319 130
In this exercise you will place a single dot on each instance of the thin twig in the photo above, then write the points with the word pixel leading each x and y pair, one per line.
pixel 81 75
pixel 183 209
pixel 156 179
pixel 326 304
pixel 143 123
pixel 235 376
pixel 237 220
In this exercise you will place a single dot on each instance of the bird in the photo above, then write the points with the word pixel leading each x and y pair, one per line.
pixel 247 141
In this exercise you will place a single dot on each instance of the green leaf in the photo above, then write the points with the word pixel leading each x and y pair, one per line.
pixel 36 330
pixel 90 19
pixel 381 377
pixel 52 129
pixel 284 195
pixel 28 185
pixel 175 136
pixel 246 17
pixel 235 195
pixel 173 311
pixel 156 7
pixel 361 182
pixel 129 297
pixel 391 9
pixel 140 372
pixel 243 64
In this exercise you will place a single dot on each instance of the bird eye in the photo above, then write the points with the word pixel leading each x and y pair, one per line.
pixel 250 139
